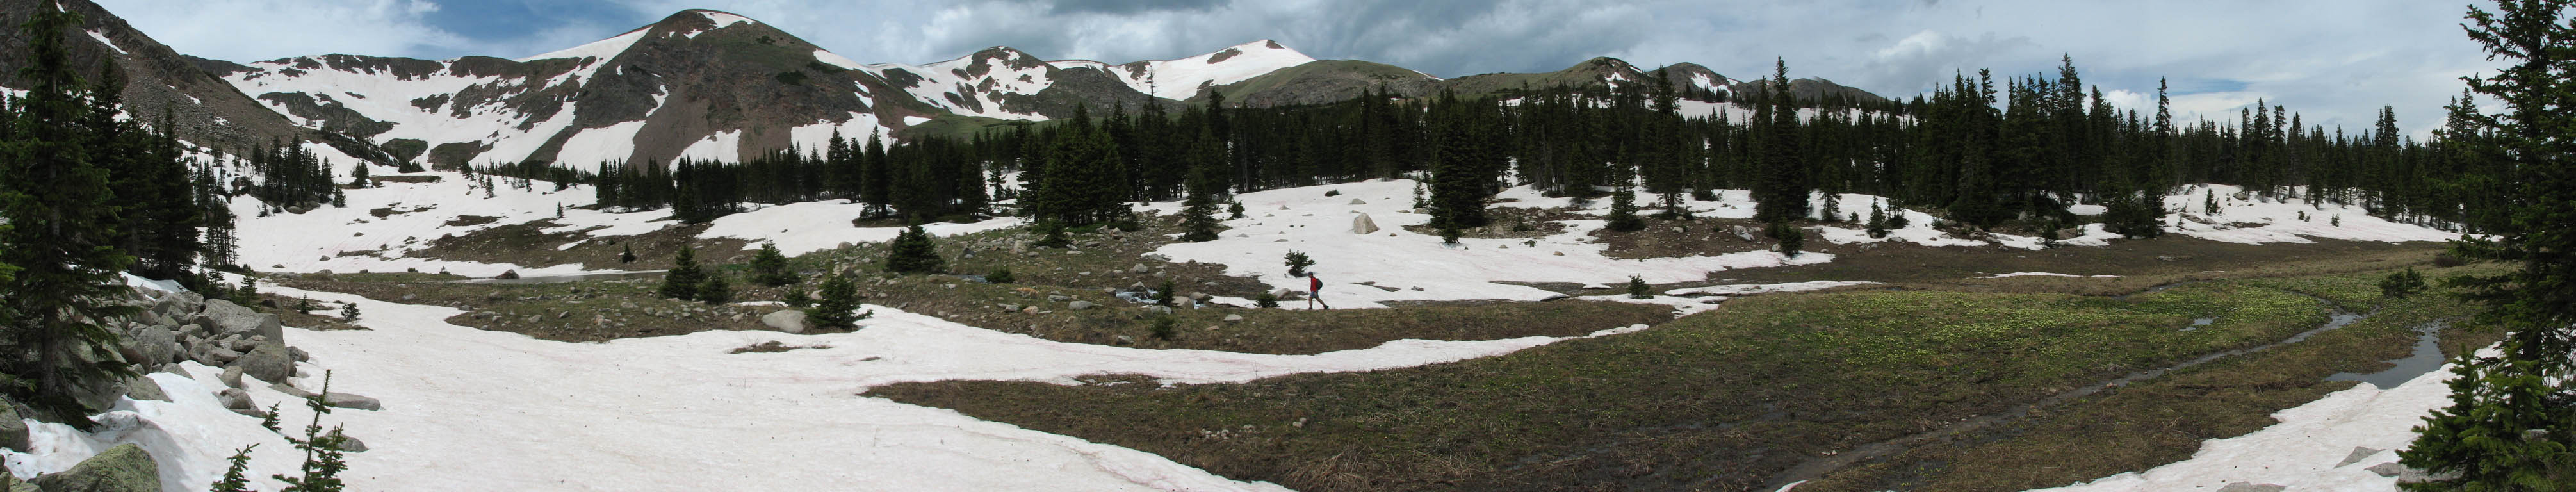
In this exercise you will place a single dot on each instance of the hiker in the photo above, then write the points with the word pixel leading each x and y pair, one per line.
pixel 1315 292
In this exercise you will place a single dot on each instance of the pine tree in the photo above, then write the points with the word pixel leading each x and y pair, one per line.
pixel 62 237
pixel 913 252
pixel 1780 191
pixel 1792 239
pixel 628 256
pixel 1297 263
pixel 358 178
pixel 769 267
pixel 684 278
pixel 833 309
pixel 2486 435
pixel 349 312
pixel 1877 222
pixel 236 476
pixel 1637 288
pixel 1623 211
pixel 715 290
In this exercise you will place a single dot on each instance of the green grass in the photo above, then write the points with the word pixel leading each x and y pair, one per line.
pixel 2164 420
pixel 1718 400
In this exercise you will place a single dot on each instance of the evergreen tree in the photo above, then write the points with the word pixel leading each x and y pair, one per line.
pixel 913 252
pixel 1297 263
pixel 358 177
pixel 1780 192
pixel 62 237
pixel 769 267
pixel 1792 239
pixel 833 309
pixel 1877 222
pixel 627 256
pixel 715 290
pixel 1623 212
pixel 2486 435
pixel 684 278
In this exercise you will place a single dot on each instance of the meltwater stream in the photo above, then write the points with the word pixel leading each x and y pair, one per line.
pixel 2426 359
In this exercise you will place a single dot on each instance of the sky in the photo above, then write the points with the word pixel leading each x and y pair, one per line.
pixel 2335 61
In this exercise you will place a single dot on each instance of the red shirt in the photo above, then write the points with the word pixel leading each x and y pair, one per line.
pixel 1314 284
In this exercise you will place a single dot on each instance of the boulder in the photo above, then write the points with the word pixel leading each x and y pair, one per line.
pixel 1079 305
pixel 1356 201
pixel 142 388
pixel 236 400
pixel 96 396
pixel 1362 224
pixel 124 468
pixel 13 428
pixel 2357 454
pixel 156 344
pixel 232 376
pixel 228 318
pixel 508 275
pixel 352 402
pixel 1139 268
pixel 2251 487
pixel 1233 318
pixel 790 321
pixel 268 363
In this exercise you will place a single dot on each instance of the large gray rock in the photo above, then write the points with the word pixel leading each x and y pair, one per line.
pixel 2251 487
pixel 232 376
pixel 1079 305
pixel 142 388
pixel 236 400
pixel 225 317
pixel 269 363
pixel 124 468
pixel 791 320
pixel 352 402
pixel 13 428
pixel 152 345
pixel 97 396
pixel 1362 224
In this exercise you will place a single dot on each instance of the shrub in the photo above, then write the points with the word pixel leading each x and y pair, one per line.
pixel 683 279
pixel 626 257
pixel 999 276
pixel 1265 301
pixel 715 291
pixel 833 309
pixel 349 312
pixel 797 298
pixel 2401 284
pixel 1163 295
pixel 1297 263
pixel 1332 192
pixel 1791 238
pixel 769 267
pixel 1165 327
pixel 1637 288
pixel 912 252
pixel 2445 260
pixel 1704 195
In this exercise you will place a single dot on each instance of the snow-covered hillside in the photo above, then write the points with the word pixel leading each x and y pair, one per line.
pixel 1182 78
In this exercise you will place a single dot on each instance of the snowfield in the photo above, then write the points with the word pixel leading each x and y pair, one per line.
pixel 1417 266
pixel 2327 444
pixel 468 409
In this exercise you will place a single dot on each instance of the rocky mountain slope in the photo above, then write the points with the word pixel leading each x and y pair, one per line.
pixel 713 85
pixel 207 110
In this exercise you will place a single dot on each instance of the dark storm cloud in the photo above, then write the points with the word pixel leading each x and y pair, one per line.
pixel 1123 6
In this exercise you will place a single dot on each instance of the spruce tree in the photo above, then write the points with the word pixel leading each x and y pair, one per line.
pixel 769 267
pixel 1623 211
pixel 2487 435
pixel 1780 191
pixel 682 281
pixel 913 252
pixel 1877 222
pixel 627 256
pixel 62 238
pixel 1792 239
pixel 715 290
pixel 838 299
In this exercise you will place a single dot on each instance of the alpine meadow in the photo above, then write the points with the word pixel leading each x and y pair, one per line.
pixel 434 245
